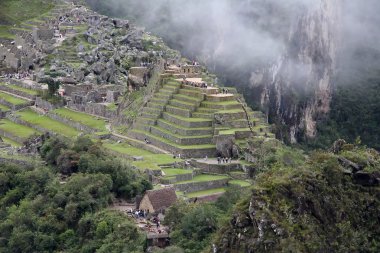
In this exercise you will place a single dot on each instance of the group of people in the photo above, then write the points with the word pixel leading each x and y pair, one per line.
pixel 19 75
pixel 202 85
pixel 224 160
pixel 225 91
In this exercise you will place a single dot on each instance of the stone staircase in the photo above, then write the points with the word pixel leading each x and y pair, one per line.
pixel 188 120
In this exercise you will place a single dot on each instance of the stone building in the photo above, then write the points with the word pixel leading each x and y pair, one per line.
pixel 158 200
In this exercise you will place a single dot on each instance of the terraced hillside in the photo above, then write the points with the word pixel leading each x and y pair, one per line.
pixel 188 120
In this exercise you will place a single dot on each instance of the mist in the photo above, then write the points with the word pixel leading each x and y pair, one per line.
pixel 238 37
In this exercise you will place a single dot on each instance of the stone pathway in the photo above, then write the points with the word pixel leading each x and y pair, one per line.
pixel 214 161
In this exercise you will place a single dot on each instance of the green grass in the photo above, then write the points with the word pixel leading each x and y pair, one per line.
pixel 184 128
pixel 189 119
pixel 241 183
pixel 124 148
pixel 174 172
pixel 11 99
pixel 15 12
pixel 16 129
pixel 232 131
pixel 204 178
pixel 4 108
pixel 181 136
pixel 18 88
pixel 153 161
pixel 5 32
pixel 203 146
pixel 47 123
pixel 221 103
pixel 83 118
pixel 11 142
pixel 205 193
pixel 231 111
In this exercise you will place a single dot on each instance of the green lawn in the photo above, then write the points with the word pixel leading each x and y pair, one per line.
pixel 204 178
pixel 83 118
pixel 205 193
pixel 47 123
pixel 241 183
pixel 232 131
pixel 27 91
pixel 16 129
pixel 11 99
pixel 174 172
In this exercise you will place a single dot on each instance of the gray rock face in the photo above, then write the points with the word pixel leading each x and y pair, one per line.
pixel 226 147
pixel 304 71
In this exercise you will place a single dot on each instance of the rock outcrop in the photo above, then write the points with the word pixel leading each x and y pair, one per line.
pixel 298 87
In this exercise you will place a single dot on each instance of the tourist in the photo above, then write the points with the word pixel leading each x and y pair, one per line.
pixel 218 159
pixel 206 158
pixel 147 141
pixel 179 156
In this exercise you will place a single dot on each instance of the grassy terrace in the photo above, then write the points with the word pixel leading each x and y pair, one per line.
pixel 232 131
pixel 204 146
pixel 47 123
pixel 188 119
pixel 11 142
pixel 151 160
pixel 241 183
pixel 83 118
pixel 204 178
pixel 11 99
pixel 184 128
pixel 221 103
pixel 15 87
pixel 181 136
pixel 16 129
pixel 205 193
pixel 4 108
pixel 174 172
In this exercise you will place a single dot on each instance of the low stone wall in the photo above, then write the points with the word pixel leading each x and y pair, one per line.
pixel 47 105
pixel 208 198
pixel 223 168
pixel 186 153
pixel 137 144
pixel 17 92
pixel 181 141
pixel 35 87
pixel 178 111
pixel 11 136
pixel 73 124
pixel 95 109
pixel 183 131
pixel 188 124
pixel 184 177
pixel 16 107
pixel 17 120
pixel 201 186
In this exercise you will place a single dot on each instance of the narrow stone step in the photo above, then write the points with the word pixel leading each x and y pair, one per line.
pixel 187 122
pixel 181 140
pixel 151 110
pixel 184 105
pixel 184 131
pixel 191 93
pixel 196 151
pixel 178 111
pixel 203 115
pixel 145 121
pixel 150 116
pixel 156 105
pixel 187 99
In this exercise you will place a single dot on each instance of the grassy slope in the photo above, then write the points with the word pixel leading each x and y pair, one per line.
pixel 47 123
pixel 82 118
pixel 11 99
pixel 16 129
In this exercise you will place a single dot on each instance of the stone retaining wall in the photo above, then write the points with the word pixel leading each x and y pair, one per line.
pixel 223 168
pixel 19 121
pixel 183 131
pixel 188 124
pixel 47 105
pixel 12 137
pixel 73 124
pixel 16 107
pixel 92 108
pixel 201 186
pixel 17 92
pixel 181 141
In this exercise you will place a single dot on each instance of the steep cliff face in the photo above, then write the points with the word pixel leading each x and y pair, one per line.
pixel 298 87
